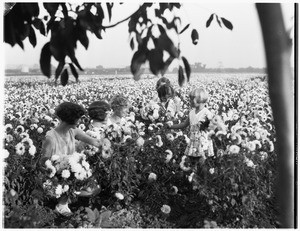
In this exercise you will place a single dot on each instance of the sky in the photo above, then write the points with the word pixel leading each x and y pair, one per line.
pixel 217 47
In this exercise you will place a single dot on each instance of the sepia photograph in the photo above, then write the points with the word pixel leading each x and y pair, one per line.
pixel 137 115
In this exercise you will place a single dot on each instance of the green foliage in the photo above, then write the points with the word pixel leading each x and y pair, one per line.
pixel 69 23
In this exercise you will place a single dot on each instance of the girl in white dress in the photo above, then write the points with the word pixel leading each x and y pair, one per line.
pixel 200 144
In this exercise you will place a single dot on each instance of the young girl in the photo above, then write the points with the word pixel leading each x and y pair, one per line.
pixel 98 112
pixel 200 145
pixel 169 101
pixel 119 105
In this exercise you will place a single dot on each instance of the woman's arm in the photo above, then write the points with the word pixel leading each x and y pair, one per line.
pixel 82 136
pixel 47 150
pixel 182 125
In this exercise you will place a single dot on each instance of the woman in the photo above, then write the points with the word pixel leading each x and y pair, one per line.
pixel 61 140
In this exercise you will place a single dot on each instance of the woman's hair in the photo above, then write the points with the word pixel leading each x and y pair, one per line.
pixel 199 94
pixel 162 81
pixel 69 112
pixel 98 110
pixel 165 91
pixel 118 102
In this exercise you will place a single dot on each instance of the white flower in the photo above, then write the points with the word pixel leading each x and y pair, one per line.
pixel 20 149
pixel 48 164
pixel 166 209
pixel 182 164
pixel 32 150
pixel 58 191
pixel 9 138
pixel 155 114
pixel 187 139
pixel 169 123
pixel 65 173
pixel 159 143
pixel 106 144
pixel 170 137
pixel 66 188
pixel 211 170
pixel 140 141
pixel 120 196
pixel 249 163
pixel 251 146
pixel 190 178
pixel 5 153
pixel 40 130
pixel 169 155
pixel 175 189
pixel 234 149
pixel 152 176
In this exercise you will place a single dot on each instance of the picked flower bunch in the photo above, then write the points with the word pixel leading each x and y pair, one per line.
pixel 150 111
pixel 66 174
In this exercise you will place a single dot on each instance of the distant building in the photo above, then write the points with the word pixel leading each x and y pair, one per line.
pixel 25 69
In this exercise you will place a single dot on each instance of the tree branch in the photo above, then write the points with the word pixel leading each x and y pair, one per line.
pixel 113 25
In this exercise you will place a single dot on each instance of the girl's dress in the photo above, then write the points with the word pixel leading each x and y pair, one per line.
pixel 171 106
pixel 59 145
pixel 200 144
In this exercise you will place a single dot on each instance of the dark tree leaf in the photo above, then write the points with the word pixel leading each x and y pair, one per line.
pixel 218 20
pixel 166 65
pixel 187 68
pixel 195 36
pixel 74 72
pixel 64 78
pixel 137 60
pixel 208 22
pixel 161 29
pixel 180 76
pixel 51 8
pixel 75 61
pixel 132 44
pixel 109 7
pixel 59 69
pixel 227 23
pixel 155 57
pixel 45 60
pixel 82 37
pixel 32 37
pixel 184 29
pixel 165 43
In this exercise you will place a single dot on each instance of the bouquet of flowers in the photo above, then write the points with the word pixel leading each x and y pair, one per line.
pixel 66 174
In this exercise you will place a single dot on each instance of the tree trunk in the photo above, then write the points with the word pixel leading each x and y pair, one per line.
pixel 281 91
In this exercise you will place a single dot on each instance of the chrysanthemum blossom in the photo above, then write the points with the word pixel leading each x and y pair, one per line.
pixel 5 153
pixel 65 173
pixel 120 196
pixel 32 150
pixel 66 188
pixel 169 155
pixel 40 130
pixel 152 176
pixel 58 191
pixel 106 144
pixel 234 149
pixel 140 141
pixel 166 209
pixel 20 148
pixel 55 158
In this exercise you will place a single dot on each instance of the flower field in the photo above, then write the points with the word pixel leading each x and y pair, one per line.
pixel 142 177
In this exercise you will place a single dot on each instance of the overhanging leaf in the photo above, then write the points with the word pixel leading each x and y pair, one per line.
pixel 109 7
pixel 195 36
pixel 187 68
pixel 137 60
pixel 165 43
pixel 32 37
pixel 218 20
pixel 208 22
pixel 45 60
pixel 59 69
pixel 74 72
pixel 156 62
pixel 184 29
pixel 227 23
pixel 64 78
pixel 180 76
